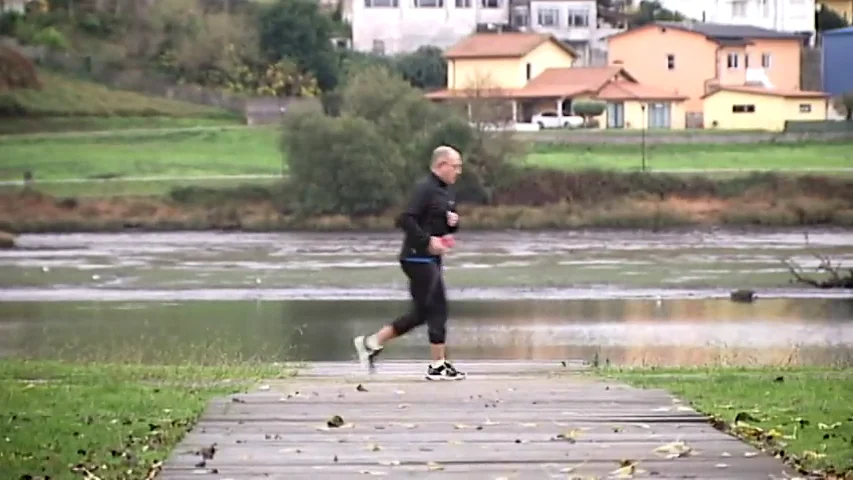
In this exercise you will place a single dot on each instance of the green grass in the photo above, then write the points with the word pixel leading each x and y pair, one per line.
pixel 41 125
pixel 64 96
pixel 116 421
pixel 223 151
pixel 801 156
pixel 118 187
pixel 805 412
pixel 254 150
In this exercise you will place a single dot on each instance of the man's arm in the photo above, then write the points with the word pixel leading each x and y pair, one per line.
pixel 454 228
pixel 408 218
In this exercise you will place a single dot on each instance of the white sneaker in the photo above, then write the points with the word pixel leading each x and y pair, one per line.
pixel 366 355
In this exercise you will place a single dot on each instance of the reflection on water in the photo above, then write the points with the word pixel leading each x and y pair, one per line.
pixel 629 331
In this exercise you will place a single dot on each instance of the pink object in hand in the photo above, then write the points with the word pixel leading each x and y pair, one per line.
pixel 448 241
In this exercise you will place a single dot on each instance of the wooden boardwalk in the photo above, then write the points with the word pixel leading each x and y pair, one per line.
pixel 508 420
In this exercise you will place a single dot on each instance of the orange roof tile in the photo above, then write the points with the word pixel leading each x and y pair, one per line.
pixel 622 90
pixel 773 92
pixel 504 44
pixel 574 80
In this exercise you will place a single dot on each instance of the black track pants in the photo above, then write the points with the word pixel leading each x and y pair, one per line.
pixel 429 302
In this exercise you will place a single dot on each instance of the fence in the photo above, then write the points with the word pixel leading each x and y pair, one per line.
pixel 818 126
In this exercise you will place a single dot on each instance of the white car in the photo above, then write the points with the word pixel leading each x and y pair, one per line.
pixel 549 119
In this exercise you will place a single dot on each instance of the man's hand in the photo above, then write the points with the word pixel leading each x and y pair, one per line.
pixel 452 219
pixel 436 246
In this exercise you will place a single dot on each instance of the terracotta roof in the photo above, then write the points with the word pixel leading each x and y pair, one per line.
pixel 504 44
pixel 622 90
pixel 720 33
pixel 773 92
pixel 575 79
pixel 460 93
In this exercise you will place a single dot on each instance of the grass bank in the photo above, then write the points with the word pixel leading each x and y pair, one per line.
pixel 255 150
pixel 538 200
pixel 114 421
pixel 40 126
pixel 803 415
pixel 62 96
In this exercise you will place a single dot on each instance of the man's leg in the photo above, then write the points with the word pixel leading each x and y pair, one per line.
pixel 421 280
pixel 436 321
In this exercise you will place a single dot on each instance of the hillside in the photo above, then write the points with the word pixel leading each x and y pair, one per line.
pixel 63 96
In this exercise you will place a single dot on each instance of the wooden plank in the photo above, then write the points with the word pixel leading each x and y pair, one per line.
pixel 492 425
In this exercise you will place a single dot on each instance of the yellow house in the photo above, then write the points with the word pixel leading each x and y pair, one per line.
pixel 844 8
pixel 504 60
pixel 756 108
pixel 535 74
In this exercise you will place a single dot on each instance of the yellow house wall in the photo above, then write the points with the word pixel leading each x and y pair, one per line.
pixel 636 118
pixel 505 72
pixel 770 112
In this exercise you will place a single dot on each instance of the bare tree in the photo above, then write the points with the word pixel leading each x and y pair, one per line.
pixel 838 277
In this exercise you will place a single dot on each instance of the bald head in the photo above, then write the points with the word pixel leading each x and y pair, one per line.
pixel 446 163
pixel 444 153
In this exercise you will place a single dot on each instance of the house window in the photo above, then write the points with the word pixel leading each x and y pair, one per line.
pixel 379 47
pixel 745 60
pixel 463 3
pixel 731 60
pixel 578 18
pixel 429 3
pixel 490 3
pixel 670 62
pixel 765 60
pixel 520 18
pixel 381 3
pixel 659 115
pixel 548 17
pixel 739 8
pixel 743 108
pixel 805 108
pixel 529 72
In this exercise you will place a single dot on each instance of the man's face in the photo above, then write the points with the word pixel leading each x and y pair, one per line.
pixel 450 168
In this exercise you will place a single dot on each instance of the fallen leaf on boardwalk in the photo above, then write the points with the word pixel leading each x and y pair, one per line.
pixel 662 409
pixel 675 450
pixel 399 392
pixel 402 405
pixel 455 442
pixel 369 472
pixel 335 422
pixel 360 388
pixel 406 425
pixel 721 465
pixel 570 436
pixel 461 426
pixel 682 408
pixel 264 388
pixel 389 463
pixel 527 425
pixel 726 454
pixel 643 425
pixel 750 454
pixel 627 469
pixel 373 447
pixel 432 467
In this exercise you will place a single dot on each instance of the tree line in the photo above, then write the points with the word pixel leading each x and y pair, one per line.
pixel 282 48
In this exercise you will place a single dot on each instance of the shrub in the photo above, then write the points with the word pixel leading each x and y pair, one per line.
pixel 16 71
pixel 340 165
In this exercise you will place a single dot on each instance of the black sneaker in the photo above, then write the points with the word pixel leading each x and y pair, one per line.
pixel 366 355
pixel 445 371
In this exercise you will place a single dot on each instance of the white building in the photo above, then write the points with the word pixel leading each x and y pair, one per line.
pixel 397 26
pixel 795 16
pixel 13 6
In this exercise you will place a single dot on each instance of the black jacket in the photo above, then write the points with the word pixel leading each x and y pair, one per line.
pixel 425 215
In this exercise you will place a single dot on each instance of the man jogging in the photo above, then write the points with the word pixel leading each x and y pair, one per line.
pixel 428 220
